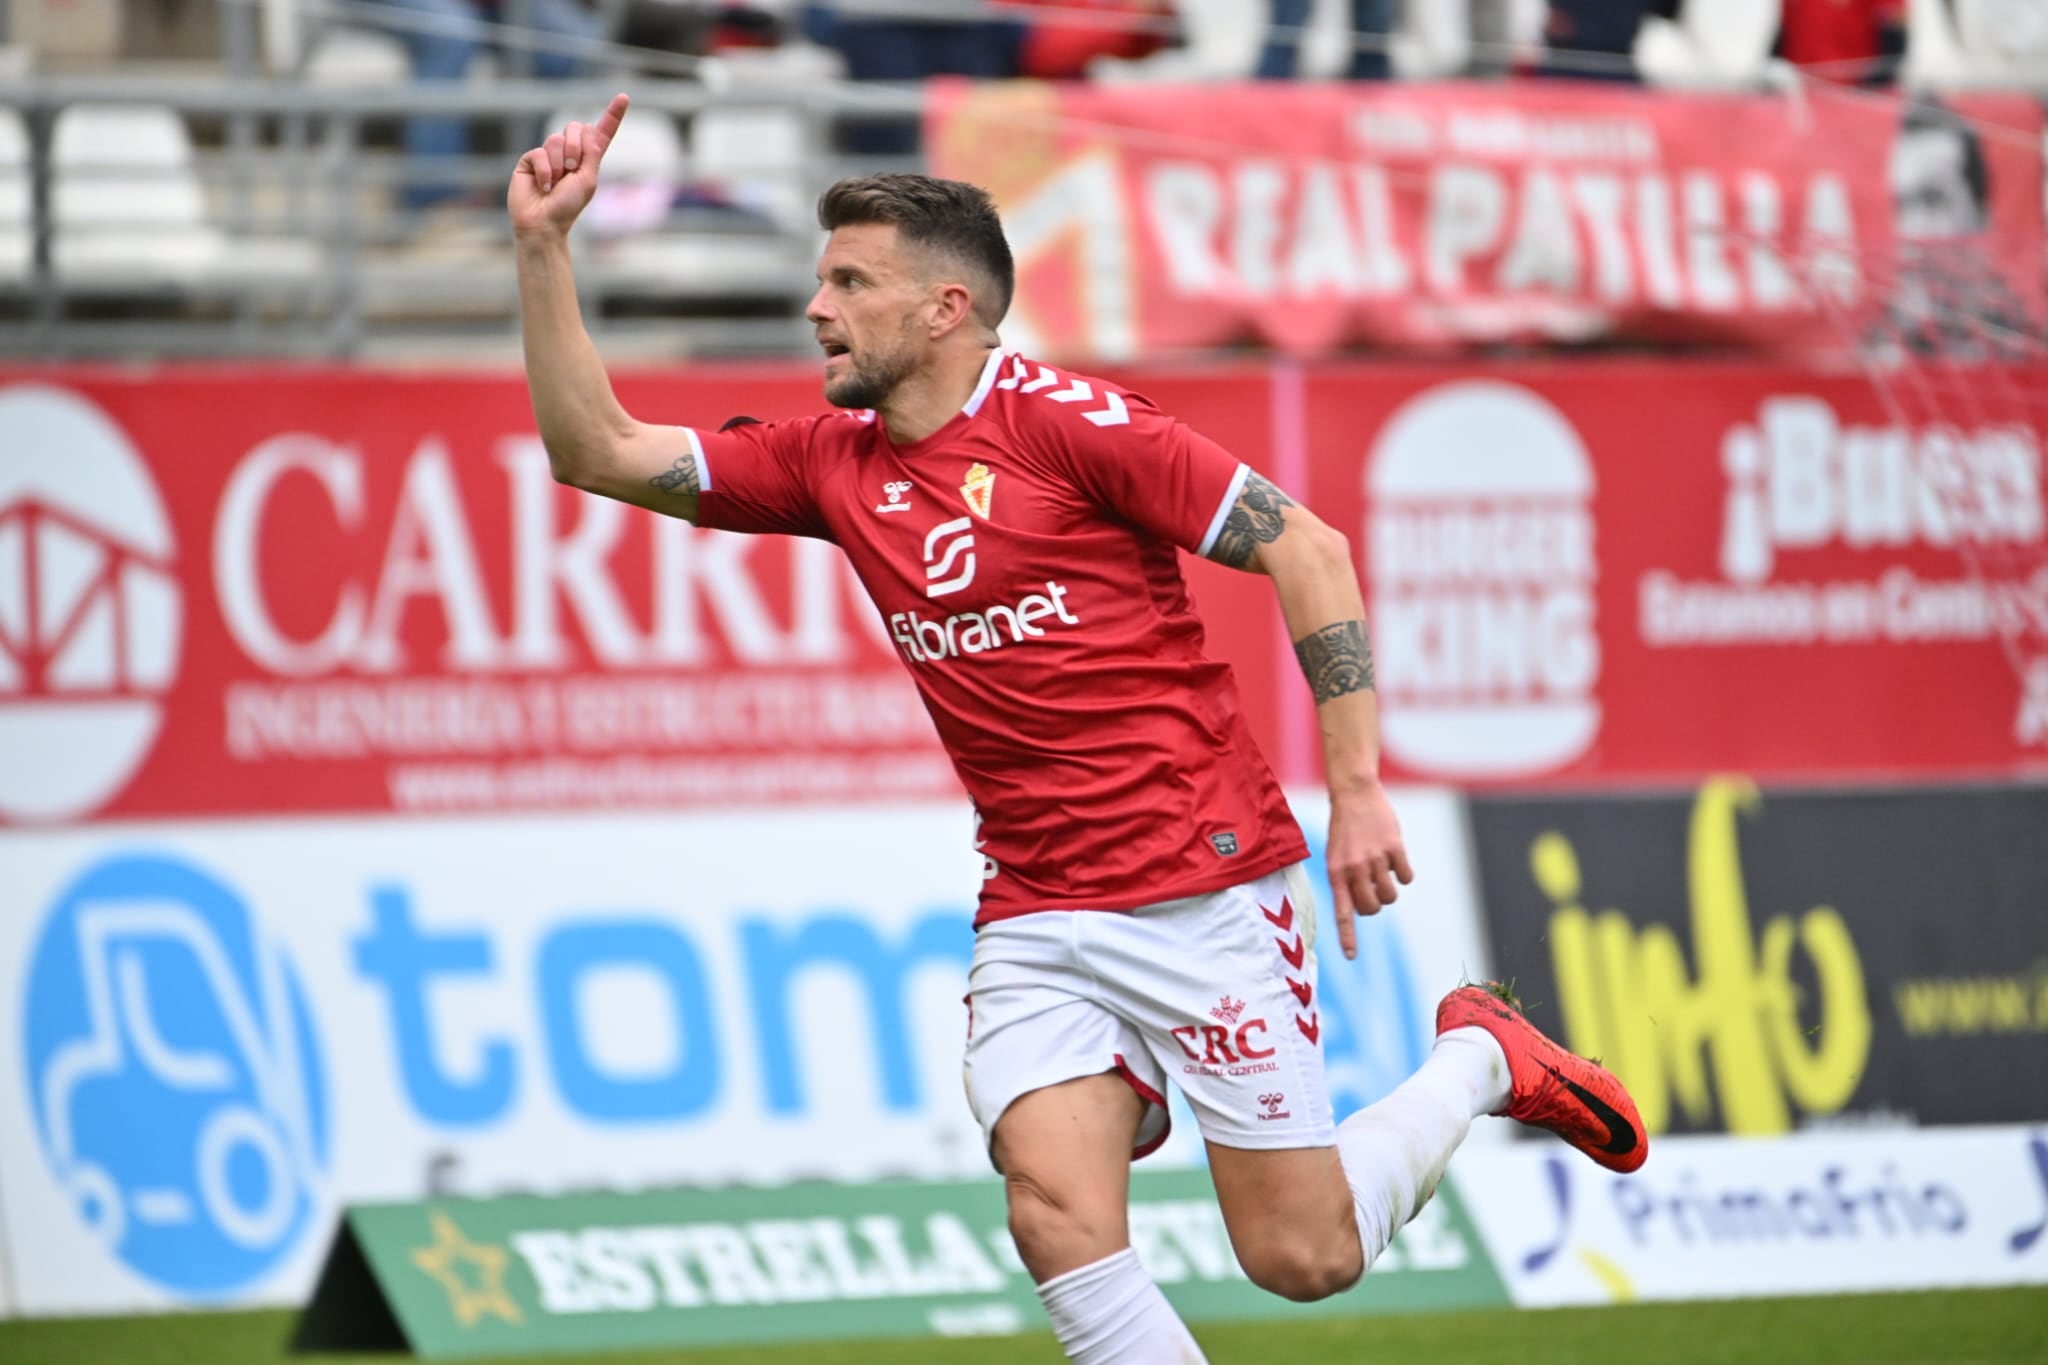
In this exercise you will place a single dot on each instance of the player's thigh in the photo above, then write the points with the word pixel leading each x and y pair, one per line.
pixel 1290 1216
pixel 1064 1151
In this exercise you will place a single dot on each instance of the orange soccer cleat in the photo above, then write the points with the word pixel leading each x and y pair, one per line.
pixel 1551 1088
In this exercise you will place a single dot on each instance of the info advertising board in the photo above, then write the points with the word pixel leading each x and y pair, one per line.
pixel 1754 960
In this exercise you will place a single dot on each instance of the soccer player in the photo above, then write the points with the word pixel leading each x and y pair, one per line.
pixel 1144 916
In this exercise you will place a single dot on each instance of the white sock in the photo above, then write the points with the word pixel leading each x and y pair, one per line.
pixel 1111 1313
pixel 1468 1067
pixel 1394 1152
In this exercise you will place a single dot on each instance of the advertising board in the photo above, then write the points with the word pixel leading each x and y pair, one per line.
pixel 1810 1213
pixel 228 1030
pixel 1752 961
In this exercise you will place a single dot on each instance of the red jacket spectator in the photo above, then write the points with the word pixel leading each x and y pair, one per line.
pixel 1060 49
pixel 1826 32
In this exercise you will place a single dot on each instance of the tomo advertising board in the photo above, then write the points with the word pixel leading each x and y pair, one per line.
pixel 226 1031
pixel 1715 1217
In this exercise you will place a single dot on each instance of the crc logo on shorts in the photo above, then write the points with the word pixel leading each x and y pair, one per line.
pixel 949 557
pixel 1232 1046
pixel 90 616
pixel 174 1075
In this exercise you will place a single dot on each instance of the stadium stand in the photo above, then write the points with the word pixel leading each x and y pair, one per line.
pixel 257 199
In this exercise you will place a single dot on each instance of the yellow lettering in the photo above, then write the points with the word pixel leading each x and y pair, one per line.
pixel 1967 1005
pixel 1823 1077
pixel 1920 1007
pixel 1729 1026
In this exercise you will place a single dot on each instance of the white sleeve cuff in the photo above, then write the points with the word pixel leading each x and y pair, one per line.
pixel 703 465
pixel 1244 471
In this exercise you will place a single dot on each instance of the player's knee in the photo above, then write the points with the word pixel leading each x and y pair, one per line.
pixel 1305 1271
pixel 1053 1230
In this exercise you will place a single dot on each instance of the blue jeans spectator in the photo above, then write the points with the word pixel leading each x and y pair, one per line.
pixel 1601 33
pixel 1281 57
pixel 442 49
pixel 910 51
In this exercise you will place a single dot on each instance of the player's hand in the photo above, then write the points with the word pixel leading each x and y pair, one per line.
pixel 1366 858
pixel 554 181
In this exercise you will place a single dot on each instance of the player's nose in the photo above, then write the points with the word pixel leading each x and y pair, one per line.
pixel 818 310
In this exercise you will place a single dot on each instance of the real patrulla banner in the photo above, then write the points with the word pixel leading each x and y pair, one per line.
pixel 1314 216
pixel 1754 962
pixel 797 1263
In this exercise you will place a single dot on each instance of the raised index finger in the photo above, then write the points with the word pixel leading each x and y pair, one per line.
pixel 607 126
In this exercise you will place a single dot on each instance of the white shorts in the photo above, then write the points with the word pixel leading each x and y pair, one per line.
pixel 1214 992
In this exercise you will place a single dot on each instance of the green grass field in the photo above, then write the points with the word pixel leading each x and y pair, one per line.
pixel 1974 1327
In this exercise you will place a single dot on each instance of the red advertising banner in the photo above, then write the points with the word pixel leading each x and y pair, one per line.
pixel 1645 571
pixel 236 592
pixel 248 592
pixel 1148 218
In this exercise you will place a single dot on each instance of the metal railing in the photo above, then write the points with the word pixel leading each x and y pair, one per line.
pixel 307 246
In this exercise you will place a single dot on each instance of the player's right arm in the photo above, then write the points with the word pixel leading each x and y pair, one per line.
pixel 592 441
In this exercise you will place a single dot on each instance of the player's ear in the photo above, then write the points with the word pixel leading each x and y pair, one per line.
pixel 950 308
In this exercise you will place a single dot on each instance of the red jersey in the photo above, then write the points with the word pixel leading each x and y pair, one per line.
pixel 1025 559
pixel 1826 32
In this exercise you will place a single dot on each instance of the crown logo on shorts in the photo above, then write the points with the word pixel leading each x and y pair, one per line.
pixel 1228 1010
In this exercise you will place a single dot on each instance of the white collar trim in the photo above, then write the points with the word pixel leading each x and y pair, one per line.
pixel 988 379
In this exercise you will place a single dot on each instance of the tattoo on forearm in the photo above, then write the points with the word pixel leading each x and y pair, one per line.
pixel 1336 660
pixel 1254 520
pixel 680 477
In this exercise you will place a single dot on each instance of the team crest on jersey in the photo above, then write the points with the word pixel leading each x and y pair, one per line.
pixel 979 490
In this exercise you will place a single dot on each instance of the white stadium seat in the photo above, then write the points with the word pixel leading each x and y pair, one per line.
pixel 1963 43
pixel 17 205
pixel 129 212
pixel 759 155
pixel 1714 43
pixel 126 200
pixel 357 59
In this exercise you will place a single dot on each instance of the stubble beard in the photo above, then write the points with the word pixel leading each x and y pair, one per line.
pixel 870 380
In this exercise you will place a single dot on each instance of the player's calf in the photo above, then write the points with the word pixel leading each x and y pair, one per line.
pixel 1065 1155
pixel 1290 1217
pixel 1304 1269
pixel 1054 1233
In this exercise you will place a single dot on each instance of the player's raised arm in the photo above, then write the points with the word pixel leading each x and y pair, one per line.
pixel 1267 532
pixel 592 441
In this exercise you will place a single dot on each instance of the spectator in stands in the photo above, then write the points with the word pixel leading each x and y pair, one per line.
pixel 1059 47
pixel 1595 40
pixel 446 35
pixel 1855 42
pixel 892 49
pixel 1371 22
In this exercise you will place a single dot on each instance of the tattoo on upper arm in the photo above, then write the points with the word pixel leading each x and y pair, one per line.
pixel 1254 520
pixel 1336 660
pixel 680 477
